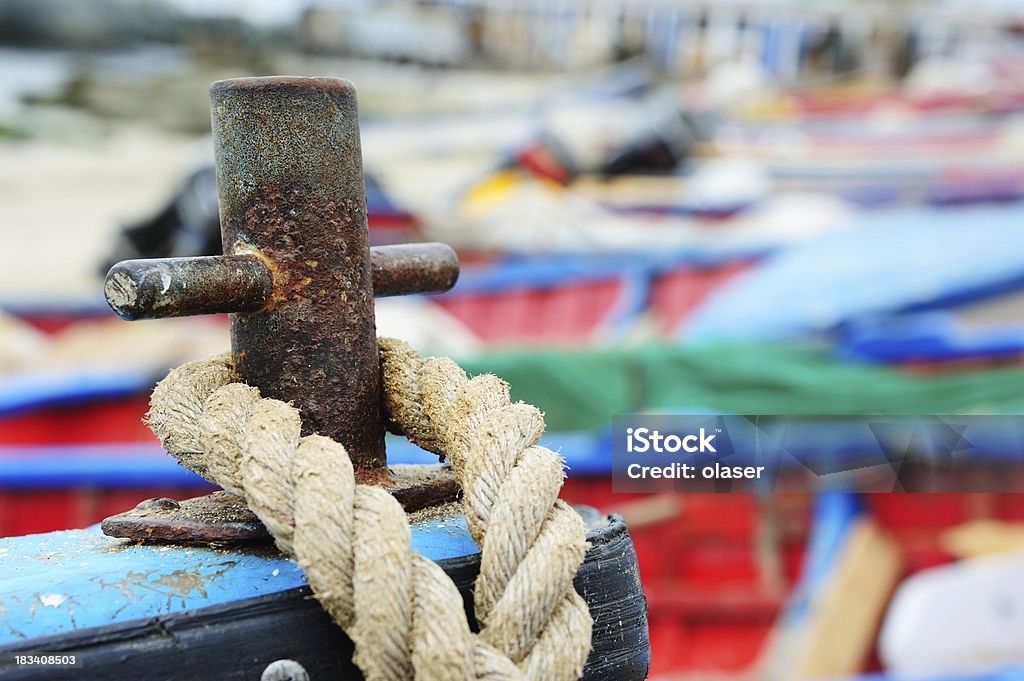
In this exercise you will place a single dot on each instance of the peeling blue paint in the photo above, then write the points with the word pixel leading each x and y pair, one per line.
pixel 61 581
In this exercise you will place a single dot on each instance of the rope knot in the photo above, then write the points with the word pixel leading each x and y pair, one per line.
pixel 401 610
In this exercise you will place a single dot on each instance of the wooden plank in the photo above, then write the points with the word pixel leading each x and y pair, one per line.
pixel 983 538
pixel 843 618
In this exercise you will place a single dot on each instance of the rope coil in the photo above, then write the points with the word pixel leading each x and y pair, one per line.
pixel 401 610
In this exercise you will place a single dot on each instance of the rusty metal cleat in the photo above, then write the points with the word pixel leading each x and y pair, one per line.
pixel 298 278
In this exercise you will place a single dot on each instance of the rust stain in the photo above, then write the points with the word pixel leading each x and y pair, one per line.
pixel 179 584
pixel 7 621
pixel 132 579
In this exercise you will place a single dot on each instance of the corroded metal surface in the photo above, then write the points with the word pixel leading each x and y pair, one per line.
pixel 215 519
pixel 413 268
pixel 223 519
pixel 290 178
pixel 176 287
pixel 298 278
pixel 417 487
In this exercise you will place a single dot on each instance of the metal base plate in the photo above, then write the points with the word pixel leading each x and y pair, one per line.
pixel 223 519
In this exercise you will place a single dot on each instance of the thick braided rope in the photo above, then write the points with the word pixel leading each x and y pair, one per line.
pixel 403 613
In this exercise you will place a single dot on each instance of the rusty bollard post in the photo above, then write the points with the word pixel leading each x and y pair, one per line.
pixel 297 274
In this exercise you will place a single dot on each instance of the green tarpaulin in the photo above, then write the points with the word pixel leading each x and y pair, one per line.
pixel 582 390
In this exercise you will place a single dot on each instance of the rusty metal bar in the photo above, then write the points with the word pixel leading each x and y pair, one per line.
pixel 176 287
pixel 290 180
pixel 413 268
